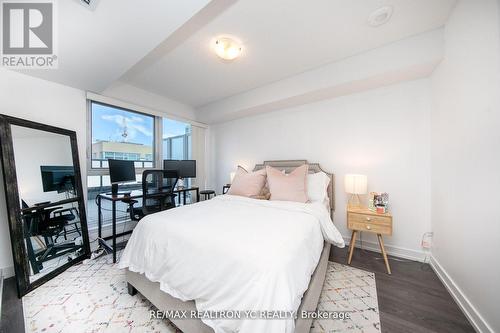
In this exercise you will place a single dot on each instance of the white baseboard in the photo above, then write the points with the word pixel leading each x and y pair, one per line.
pixel 7 272
pixel 392 250
pixel 475 318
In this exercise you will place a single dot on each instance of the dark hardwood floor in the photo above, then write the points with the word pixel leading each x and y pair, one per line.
pixel 412 299
pixel 12 309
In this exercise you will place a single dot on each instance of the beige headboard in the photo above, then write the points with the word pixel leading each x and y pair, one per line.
pixel 289 165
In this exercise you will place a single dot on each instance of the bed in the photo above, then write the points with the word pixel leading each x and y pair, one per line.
pixel 229 255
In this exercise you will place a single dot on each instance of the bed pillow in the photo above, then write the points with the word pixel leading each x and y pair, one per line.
pixel 261 196
pixel 248 184
pixel 317 187
pixel 264 194
pixel 288 187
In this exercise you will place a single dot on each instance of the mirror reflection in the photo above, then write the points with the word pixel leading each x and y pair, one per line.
pixel 48 199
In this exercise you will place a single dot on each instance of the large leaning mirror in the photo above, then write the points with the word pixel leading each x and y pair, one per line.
pixel 46 211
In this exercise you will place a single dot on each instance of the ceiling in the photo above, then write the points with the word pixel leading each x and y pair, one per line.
pixel 98 47
pixel 281 38
pixel 164 46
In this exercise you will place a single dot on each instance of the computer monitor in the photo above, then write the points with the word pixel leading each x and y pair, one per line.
pixel 120 171
pixel 186 168
pixel 58 178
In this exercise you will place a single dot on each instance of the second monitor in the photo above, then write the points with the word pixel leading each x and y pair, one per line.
pixel 185 168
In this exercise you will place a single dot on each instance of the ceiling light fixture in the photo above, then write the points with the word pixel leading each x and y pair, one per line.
pixel 227 48
pixel 90 4
pixel 380 16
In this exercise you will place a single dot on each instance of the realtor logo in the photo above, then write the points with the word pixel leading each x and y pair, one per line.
pixel 28 34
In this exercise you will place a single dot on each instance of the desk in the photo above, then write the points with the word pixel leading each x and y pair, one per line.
pixel 184 190
pixel 119 197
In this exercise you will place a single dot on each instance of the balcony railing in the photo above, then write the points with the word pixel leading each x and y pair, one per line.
pixel 102 163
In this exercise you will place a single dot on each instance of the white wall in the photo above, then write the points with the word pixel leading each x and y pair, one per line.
pixel 32 149
pixel 383 133
pixel 466 160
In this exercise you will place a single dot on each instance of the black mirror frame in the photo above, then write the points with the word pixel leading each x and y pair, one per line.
pixel 21 266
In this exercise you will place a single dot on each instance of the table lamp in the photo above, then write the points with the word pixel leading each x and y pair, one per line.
pixel 355 185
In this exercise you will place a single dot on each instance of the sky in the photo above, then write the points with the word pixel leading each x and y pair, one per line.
pixel 108 124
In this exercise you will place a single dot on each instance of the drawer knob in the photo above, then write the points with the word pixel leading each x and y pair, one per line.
pixel 368 219
pixel 368 227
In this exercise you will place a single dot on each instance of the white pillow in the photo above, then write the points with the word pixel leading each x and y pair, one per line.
pixel 317 187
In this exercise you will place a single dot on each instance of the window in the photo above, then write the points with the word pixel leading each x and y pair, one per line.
pixel 118 133
pixel 176 140
pixel 121 134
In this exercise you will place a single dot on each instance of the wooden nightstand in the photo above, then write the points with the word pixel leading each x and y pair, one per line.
pixel 363 219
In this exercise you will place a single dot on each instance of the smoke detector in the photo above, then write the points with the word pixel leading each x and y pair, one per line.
pixel 90 4
pixel 380 16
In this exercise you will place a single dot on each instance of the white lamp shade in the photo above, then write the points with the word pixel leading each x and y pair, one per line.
pixel 231 176
pixel 355 184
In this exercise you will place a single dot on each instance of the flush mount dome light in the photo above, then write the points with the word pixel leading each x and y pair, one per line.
pixel 90 4
pixel 227 48
pixel 380 16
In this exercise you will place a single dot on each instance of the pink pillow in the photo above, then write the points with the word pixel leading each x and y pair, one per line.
pixel 290 187
pixel 248 184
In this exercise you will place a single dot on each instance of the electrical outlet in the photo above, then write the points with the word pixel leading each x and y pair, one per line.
pixel 427 240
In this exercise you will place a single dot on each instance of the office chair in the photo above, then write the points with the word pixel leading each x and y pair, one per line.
pixel 68 214
pixel 61 214
pixel 39 222
pixel 157 193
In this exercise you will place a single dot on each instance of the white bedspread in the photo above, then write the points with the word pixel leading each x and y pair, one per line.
pixel 233 253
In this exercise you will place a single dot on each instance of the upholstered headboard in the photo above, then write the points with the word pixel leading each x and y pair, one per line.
pixel 290 165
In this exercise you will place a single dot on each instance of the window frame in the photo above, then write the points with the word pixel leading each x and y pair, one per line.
pixel 157 144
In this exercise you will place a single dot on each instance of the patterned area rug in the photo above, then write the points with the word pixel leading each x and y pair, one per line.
pixel 352 290
pixel 92 297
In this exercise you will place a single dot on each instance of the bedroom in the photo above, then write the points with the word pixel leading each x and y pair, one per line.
pixel 392 96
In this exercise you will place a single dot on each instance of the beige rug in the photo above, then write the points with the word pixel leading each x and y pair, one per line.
pixel 92 297
pixel 352 290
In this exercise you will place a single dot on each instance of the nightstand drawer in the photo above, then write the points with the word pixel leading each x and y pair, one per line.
pixel 372 219
pixel 384 229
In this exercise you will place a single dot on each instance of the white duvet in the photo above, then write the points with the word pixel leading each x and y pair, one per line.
pixel 233 254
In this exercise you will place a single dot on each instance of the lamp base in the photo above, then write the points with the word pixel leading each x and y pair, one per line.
pixel 354 201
